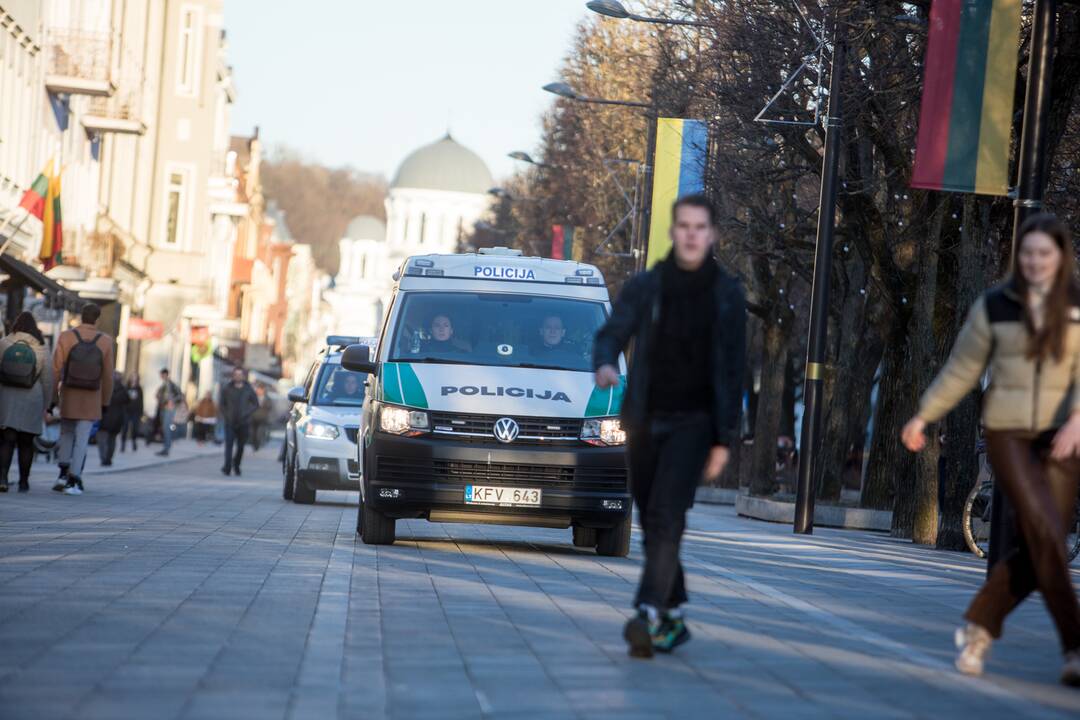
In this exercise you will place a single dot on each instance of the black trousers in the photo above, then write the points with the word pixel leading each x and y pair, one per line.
pixel 10 440
pixel 235 437
pixel 1043 495
pixel 106 443
pixel 666 461
pixel 129 430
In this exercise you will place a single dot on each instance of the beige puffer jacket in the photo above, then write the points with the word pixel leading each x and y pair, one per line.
pixel 1024 394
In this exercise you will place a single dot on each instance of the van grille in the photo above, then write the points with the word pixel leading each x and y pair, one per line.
pixel 426 470
pixel 533 430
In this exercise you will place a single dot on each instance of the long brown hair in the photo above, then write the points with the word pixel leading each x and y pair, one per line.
pixel 1050 339
pixel 25 323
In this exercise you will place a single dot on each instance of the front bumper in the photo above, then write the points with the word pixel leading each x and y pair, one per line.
pixel 328 464
pixel 426 478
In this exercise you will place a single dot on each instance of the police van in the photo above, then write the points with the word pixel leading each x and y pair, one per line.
pixel 481 405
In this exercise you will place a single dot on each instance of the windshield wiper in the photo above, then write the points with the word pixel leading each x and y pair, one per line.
pixel 437 360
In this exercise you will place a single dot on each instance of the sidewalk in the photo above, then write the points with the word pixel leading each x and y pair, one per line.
pixel 145 457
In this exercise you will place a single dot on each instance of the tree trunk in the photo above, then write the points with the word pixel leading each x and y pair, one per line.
pixel 961 462
pixel 889 463
pixel 915 513
pixel 774 353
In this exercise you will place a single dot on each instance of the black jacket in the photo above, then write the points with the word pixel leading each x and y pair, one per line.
pixel 112 419
pixel 634 318
pixel 238 404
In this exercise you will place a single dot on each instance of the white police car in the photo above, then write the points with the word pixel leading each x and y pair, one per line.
pixel 321 432
pixel 481 403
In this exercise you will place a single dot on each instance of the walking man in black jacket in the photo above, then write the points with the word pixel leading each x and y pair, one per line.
pixel 687 318
pixel 238 404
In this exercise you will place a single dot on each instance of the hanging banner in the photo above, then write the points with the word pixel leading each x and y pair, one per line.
pixel 558 240
pixel 139 329
pixel 967 104
pixel 678 170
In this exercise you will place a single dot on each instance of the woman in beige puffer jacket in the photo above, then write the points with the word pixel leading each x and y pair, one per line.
pixel 1026 332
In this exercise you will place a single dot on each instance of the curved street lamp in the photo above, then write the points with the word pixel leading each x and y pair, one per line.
pixel 615 9
pixel 564 90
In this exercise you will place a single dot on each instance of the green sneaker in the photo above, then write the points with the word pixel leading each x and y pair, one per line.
pixel 671 634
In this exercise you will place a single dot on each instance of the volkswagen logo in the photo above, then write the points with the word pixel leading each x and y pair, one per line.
pixel 506 430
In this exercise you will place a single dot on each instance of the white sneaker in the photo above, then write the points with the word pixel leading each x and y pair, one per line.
pixel 1070 672
pixel 73 490
pixel 973 641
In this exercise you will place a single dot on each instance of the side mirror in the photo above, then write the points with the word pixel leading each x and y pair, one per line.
pixel 297 395
pixel 358 359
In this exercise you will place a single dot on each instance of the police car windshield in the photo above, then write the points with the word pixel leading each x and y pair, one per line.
pixel 337 386
pixel 499 329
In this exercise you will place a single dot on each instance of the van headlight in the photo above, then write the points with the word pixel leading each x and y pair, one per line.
pixel 603 431
pixel 321 430
pixel 399 420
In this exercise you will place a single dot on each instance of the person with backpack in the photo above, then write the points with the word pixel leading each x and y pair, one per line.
pixel 112 420
pixel 83 373
pixel 26 388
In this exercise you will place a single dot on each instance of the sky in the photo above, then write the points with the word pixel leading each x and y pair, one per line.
pixel 363 83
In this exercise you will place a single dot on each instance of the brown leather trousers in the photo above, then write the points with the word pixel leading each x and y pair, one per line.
pixel 1043 493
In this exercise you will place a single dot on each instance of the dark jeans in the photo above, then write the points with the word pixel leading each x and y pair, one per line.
pixel 129 430
pixel 1043 495
pixel 10 439
pixel 258 432
pixel 666 461
pixel 237 436
pixel 106 445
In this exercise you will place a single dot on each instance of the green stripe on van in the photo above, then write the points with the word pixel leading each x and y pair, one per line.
pixel 391 384
pixel 410 384
pixel 606 402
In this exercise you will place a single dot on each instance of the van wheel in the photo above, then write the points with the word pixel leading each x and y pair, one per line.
pixel 288 470
pixel 302 494
pixel 584 537
pixel 614 542
pixel 376 528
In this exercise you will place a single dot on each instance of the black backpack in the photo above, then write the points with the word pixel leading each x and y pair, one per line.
pixel 18 365
pixel 85 364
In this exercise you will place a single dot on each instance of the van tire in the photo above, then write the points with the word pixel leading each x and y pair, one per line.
pixel 584 537
pixel 375 528
pixel 614 542
pixel 302 493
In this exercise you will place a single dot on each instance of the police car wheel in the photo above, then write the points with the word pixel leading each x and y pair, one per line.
pixel 376 528
pixel 302 493
pixel 614 542
pixel 584 537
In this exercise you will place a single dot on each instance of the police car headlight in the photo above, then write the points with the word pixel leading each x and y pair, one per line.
pixel 603 431
pixel 321 430
pixel 399 420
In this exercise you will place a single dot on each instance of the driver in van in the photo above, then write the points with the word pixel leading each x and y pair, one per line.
pixel 442 337
pixel 553 337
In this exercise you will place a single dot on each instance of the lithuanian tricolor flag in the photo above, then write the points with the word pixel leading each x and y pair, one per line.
pixel 967 102
pixel 42 201
pixel 678 169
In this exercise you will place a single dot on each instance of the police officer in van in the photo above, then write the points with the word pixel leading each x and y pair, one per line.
pixel 687 318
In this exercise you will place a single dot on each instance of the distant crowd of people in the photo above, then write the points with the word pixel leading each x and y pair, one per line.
pixel 56 402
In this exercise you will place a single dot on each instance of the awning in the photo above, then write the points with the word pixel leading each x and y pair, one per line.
pixel 26 275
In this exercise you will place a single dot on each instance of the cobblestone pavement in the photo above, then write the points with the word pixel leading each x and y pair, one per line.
pixel 173 592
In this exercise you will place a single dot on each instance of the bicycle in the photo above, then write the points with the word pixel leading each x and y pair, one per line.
pixel 978 509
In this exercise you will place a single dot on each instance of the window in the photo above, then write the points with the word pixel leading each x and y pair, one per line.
pixel 189 50
pixel 340 387
pixel 175 206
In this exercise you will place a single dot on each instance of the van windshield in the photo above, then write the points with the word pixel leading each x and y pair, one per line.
pixel 499 329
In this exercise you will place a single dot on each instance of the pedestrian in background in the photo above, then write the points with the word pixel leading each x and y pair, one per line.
pixel 205 418
pixel 26 388
pixel 1027 332
pixel 238 403
pixel 112 420
pixel 260 419
pixel 133 413
pixel 168 400
pixel 83 373
pixel 687 319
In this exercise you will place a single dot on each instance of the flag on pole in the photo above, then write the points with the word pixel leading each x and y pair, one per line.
pixel 52 229
pixel 967 102
pixel 678 170
pixel 33 200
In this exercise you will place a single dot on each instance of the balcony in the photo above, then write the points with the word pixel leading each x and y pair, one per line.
pixel 79 63
pixel 117 114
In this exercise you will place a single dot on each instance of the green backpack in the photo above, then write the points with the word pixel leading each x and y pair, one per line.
pixel 18 365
